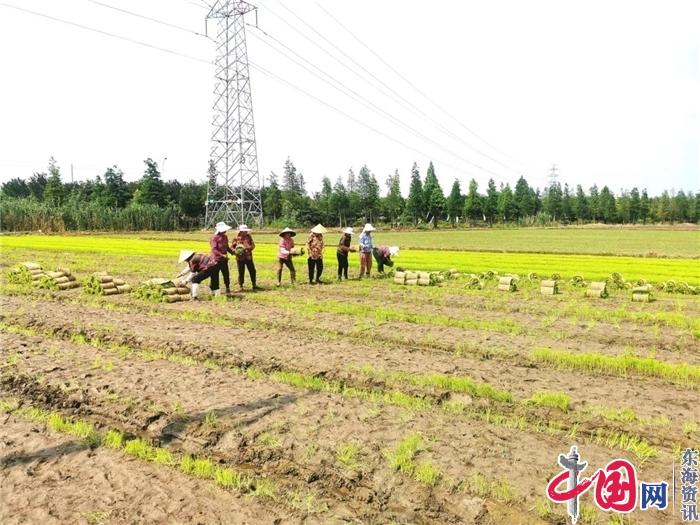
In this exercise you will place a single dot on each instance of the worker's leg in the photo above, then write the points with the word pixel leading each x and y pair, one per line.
pixel 311 264
pixel 214 282
pixel 346 264
pixel 279 272
pixel 253 274
pixel 241 272
pixel 292 271
pixel 319 270
pixel 225 275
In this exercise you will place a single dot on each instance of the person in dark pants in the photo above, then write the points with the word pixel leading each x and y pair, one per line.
pixel 243 246
pixel 284 255
pixel 200 267
pixel 383 255
pixel 315 259
pixel 219 252
pixel 342 253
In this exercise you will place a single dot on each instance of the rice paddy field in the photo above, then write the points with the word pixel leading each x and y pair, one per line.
pixel 361 401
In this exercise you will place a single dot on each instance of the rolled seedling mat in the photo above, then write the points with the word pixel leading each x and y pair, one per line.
pixel 354 247
pixel 411 282
pixel 424 282
pixel 69 285
pixel 31 266
pixel 62 280
pixel 598 285
pixel 642 297
pixel 400 275
pixel 175 298
pixel 549 290
pixel 119 282
pixel 642 289
pixel 182 290
pixel 111 291
pixel 411 276
pixel 124 288
pixel 597 289
pixel 399 280
pixel 507 284
pixel 296 251
pixel 108 286
pixel 55 275
pixel 170 290
pixel 104 278
pixel 548 283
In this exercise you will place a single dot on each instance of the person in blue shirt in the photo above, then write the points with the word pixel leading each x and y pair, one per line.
pixel 366 250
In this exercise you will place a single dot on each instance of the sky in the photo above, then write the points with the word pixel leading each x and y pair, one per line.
pixel 609 92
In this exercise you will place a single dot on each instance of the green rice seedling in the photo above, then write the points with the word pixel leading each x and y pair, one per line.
pixel 479 485
pixel 264 488
pixel 230 479
pixel 187 464
pixel 691 427
pixel 113 439
pixel 211 420
pixel 544 508
pixel 558 400
pixel 96 517
pixel 427 474
pixel 679 373
pixel 309 503
pixel 138 448
pixel 203 468
pixel 588 515
pixel 401 460
pixel 269 440
pixel 347 454
pixel 161 456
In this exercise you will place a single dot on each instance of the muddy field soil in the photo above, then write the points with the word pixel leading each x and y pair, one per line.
pixel 292 434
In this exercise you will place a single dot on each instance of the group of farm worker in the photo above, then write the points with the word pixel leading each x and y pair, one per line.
pixel 202 266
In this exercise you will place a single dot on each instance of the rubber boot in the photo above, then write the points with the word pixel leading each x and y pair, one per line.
pixel 217 293
pixel 195 291
pixel 279 278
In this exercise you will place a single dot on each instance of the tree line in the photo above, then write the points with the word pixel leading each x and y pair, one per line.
pixel 108 202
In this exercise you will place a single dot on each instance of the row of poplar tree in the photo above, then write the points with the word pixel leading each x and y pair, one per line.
pixel 151 203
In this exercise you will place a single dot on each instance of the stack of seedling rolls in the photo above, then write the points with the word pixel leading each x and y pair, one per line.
pixel 417 278
pixel 163 290
pixel 61 279
pixel 25 273
pixel 549 287
pixel 508 284
pixel 597 289
pixel 642 294
pixel 101 283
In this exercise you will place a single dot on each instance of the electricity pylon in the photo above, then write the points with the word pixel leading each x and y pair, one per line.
pixel 233 189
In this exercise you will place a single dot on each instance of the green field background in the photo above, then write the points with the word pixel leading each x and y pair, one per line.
pixel 162 251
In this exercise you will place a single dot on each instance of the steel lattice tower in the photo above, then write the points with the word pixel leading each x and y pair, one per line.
pixel 233 190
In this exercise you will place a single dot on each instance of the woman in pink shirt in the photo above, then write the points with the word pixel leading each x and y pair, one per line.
pixel 219 252
pixel 284 255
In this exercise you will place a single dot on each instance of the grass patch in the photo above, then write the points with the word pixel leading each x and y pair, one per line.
pixel 558 400
pixel 401 459
pixel 498 489
pixel 427 474
pixel 681 373
pixel 348 454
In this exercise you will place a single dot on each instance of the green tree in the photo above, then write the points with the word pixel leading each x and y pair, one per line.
pixel 16 188
pixel 327 216
pixel 607 205
pixel 116 193
pixel 433 196
pixel 37 185
pixel 151 190
pixel 644 206
pixel 394 203
pixel 594 203
pixel 553 201
pixel 340 202
pixel 455 202
pixel 491 202
pixel 581 205
pixel 272 199
pixel 53 194
pixel 567 204
pixel 473 209
pixel 414 205
pixel 507 207
pixel 192 197
pixel 368 192
pixel 635 205
pixel 524 199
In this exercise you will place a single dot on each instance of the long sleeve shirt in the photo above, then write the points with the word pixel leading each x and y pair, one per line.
pixel 365 242
pixel 200 262
pixel 285 246
pixel 315 245
pixel 246 241
pixel 219 247
pixel 344 245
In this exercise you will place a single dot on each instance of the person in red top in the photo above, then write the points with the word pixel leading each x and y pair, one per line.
pixel 200 267
pixel 243 246
pixel 219 252
pixel 315 259
pixel 284 255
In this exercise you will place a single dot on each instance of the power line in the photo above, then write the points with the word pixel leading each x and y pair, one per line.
pixel 157 21
pixel 336 84
pixel 407 81
pixel 106 33
pixel 252 65
pixel 405 103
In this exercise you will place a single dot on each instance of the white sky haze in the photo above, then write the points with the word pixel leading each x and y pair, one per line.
pixel 607 90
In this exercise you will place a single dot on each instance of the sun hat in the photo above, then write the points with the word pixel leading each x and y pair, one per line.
pixel 393 250
pixel 222 227
pixel 288 230
pixel 318 229
pixel 184 255
pixel 368 228
pixel 348 231
pixel 244 228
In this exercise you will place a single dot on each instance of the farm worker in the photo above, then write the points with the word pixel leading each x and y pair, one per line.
pixel 383 255
pixel 284 255
pixel 200 267
pixel 315 259
pixel 342 253
pixel 366 250
pixel 243 247
pixel 219 252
